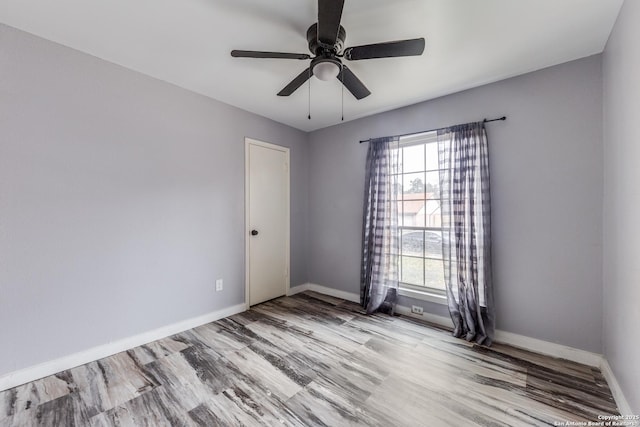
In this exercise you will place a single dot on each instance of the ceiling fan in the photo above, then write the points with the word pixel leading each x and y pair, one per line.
pixel 326 41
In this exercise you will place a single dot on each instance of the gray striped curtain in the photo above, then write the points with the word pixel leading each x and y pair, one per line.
pixel 380 236
pixel 466 235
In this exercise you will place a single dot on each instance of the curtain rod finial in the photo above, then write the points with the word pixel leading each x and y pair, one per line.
pixel 494 120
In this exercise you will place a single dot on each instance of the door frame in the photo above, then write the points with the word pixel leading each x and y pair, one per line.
pixel 247 226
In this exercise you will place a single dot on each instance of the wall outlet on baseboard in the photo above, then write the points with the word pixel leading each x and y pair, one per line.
pixel 416 309
pixel 219 285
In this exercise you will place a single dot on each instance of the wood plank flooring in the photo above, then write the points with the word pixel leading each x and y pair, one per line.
pixel 313 360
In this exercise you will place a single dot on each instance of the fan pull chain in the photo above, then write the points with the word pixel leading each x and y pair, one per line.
pixel 309 106
pixel 342 66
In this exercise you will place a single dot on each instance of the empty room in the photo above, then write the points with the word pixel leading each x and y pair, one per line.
pixel 319 213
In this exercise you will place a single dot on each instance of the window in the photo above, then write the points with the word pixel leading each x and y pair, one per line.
pixel 419 214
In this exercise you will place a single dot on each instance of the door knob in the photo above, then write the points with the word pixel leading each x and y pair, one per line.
pixel 254 232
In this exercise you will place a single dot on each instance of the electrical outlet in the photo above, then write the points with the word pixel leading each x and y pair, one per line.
pixel 219 285
pixel 416 309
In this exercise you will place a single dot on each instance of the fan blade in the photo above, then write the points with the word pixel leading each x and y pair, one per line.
pixel 413 47
pixel 329 15
pixel 297 82
pixel 351 82
pixel 274 55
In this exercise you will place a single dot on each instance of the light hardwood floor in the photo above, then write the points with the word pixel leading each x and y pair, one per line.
pixel 313 360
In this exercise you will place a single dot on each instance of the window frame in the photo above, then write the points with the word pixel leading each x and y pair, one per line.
pixel 423 292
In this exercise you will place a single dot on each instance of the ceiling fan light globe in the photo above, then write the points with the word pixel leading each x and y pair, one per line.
pixel 326 71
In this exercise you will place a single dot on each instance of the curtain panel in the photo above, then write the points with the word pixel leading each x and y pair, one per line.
pixel 466 235
pixel 380 235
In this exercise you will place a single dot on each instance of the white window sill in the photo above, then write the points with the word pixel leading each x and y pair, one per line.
pixel 423 295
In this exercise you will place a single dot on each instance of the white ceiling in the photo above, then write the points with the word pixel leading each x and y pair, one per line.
pixel 187 43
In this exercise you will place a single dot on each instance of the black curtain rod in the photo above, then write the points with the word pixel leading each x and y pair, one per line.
pixel 433 130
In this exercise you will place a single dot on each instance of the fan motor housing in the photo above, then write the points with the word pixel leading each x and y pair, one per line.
pixel 316 48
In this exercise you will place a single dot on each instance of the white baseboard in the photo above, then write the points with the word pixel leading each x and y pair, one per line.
pixel 349 296
pixel 298 289
pixel 520 341
pixel 42 370
pixel 45 369
pixel 548 348
pixel 445 322
pixel 618 395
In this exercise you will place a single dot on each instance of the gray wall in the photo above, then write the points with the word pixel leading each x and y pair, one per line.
pixel 621 65
pixel 121 201
pixel 546 174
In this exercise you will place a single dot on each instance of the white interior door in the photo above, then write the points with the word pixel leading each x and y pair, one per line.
pixel 267 221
